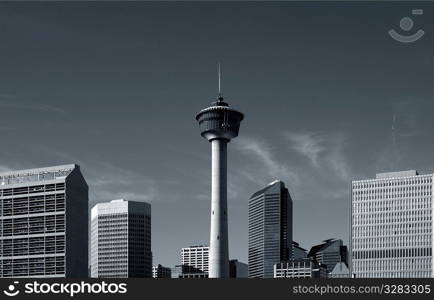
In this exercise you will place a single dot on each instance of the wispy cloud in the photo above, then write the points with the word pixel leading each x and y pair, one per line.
pixel 111 182
pixel 309 144
pixel 324 150
pixel 262 153
pixel 108 181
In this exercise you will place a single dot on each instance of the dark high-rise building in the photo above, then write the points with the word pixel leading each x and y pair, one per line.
pixel 329 253
pixel 44 223
pixel 121 239
pixel 270 229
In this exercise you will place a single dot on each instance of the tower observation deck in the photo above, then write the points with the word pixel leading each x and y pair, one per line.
pixel 219 124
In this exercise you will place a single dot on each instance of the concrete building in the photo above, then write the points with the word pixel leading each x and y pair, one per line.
pixel 237 269
pixel 121 239
pixel 195 259
pixel 270 229
pixel 44 223
pixel 340 271
pixel 300 268
pixel 161 272
pixel 391 229
pixel 329 253
pixel 195 264
pixel 219 124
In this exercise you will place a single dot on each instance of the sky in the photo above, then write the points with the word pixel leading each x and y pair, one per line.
pixel 328 97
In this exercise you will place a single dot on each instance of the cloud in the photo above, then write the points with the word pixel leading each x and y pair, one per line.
pixel 111 182
pixel 309 144
pixel 337 158
pixel 262 153
pixel 325 151
pixel 106 180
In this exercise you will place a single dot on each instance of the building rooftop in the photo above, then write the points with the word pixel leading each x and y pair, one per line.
pixel 408 173
pixel 35 175
pixel 269 186
pixel 120 206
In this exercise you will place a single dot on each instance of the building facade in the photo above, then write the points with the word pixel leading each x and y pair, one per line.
pixel 329 253
pixel 270 229
pixel 340 271
pixel 391 229
pixel 121 239
pixel 237 269
pixel 196 259
pixel 44 223
pixel 298 252
pixel 161 272
pixel 300 268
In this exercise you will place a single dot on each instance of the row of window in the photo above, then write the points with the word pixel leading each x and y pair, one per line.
pixel 390 183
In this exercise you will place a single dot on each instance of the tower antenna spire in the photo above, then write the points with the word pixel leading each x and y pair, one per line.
pixel 220 84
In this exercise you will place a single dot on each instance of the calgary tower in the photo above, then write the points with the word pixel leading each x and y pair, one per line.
pixel 219 124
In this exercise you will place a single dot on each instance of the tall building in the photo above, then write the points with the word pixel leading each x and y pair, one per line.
pixel 300 268
pixel 270 229
pixel 44 221
pixel 391 229
pixel 219 124
pixel 121 239
pixel 329 253
pixel 161 272
pixel 196 258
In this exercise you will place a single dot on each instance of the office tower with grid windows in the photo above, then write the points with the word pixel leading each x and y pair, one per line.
pixel 391 229
pixel 121 239
pixel 43 223
pixel 195 259
pixel 270 229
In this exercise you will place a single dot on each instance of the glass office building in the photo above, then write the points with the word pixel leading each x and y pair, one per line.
pixel 270 229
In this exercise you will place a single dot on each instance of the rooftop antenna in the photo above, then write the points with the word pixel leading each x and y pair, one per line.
pixel 220 83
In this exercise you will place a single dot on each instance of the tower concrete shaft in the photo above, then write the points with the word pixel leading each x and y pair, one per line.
pixel 219 249
pixel 219 124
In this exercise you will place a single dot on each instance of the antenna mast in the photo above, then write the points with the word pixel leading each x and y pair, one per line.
pixel 220 83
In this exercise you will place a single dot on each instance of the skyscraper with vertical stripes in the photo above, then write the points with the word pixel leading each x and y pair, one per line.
pixel 121 239
pixel 270 229
pixel 391 229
